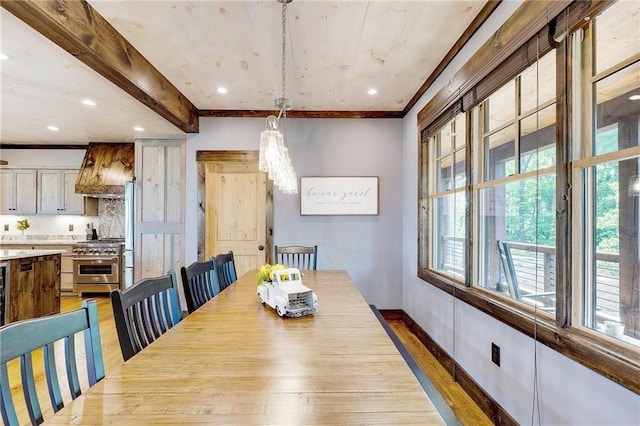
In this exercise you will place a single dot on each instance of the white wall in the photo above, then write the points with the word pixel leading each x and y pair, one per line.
pixel 568 392
pixel 41 224
pixel 368 247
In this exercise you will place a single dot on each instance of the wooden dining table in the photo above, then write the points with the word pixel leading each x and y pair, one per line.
pixel 234 361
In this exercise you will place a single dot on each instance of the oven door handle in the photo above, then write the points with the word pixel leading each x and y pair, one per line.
pixel 94 258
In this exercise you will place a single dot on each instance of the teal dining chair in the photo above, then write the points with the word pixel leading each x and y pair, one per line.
pixel 144 312
pixel 20 339
pixel 200 283
pixel 226 267
pixel 300 257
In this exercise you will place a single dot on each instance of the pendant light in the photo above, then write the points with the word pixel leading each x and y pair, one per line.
pixel 274 154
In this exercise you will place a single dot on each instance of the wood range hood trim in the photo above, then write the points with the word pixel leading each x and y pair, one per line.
pixel 105 169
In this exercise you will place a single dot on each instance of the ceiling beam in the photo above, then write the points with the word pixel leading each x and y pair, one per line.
pixel 79 29
pixel 299 113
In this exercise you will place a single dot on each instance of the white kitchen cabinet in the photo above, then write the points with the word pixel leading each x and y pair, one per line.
pixel 18 191
pixel 56 192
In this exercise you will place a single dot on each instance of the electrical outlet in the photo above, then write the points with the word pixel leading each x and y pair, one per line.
pixel 495 354
pixel 71 227
pixel 6 226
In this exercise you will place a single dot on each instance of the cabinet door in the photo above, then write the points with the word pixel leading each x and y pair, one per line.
pixel 57 194
pixel 49 193
pixel 47 282
pixel 72 203
pixel 22 291
pixel 18 191
pixel 25 191
pixel 7 197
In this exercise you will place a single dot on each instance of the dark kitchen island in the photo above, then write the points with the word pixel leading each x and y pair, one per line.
pixel 31 285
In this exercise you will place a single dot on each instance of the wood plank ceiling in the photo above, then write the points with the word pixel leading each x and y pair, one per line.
pixel 337 51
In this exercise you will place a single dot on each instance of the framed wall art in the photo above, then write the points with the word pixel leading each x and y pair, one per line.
pixel 335 195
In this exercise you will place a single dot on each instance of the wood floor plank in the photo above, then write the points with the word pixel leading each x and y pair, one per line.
pixel 460 402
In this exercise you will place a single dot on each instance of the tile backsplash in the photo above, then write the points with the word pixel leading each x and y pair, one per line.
pixel 109 224
pixel 111 213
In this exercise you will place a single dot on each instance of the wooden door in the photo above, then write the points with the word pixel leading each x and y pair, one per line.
pixel 236 213
pixel 159 208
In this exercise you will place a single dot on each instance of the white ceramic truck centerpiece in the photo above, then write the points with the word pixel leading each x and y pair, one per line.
pixel 287 295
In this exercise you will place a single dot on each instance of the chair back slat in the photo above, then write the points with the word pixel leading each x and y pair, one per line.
pixel 301 257
pixel 226 266
pixel 52 377
pixel 200 283
pixel 70 364
pixel 29 389
pixel 20 339
pixel 144 312
pixel 7 410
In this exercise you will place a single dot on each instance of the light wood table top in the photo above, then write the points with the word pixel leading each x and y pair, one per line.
pixel 235 361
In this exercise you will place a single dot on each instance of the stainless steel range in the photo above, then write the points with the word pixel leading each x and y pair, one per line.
pixel 97 266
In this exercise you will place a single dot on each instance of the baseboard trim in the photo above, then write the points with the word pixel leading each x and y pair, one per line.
pixel 487 404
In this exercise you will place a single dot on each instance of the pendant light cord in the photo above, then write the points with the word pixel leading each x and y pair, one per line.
pixel 284 52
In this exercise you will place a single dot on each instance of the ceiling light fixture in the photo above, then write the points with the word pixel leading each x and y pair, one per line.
pixel 372 92
pixel 139 129
pixel 222 90
pixel 53 128
pixel 89 102
pixel 274 154
pixel 634 98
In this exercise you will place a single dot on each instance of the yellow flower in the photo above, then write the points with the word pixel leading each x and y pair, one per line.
pixel 23 224
pixel 264 274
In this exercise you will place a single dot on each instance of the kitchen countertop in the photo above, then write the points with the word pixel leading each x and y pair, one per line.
pixel 38 242
pixel 22 254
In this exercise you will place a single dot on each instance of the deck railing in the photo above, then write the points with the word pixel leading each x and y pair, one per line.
pixel 535 267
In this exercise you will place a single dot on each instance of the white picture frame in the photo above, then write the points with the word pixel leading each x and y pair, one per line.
pixel 338 195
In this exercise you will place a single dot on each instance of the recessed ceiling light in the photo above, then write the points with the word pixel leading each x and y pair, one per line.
pixel 138 129
pixel 53 128
pixel 222 90
pixel 372 91
pixel 89 102
pixel 3 56
pixel 634 98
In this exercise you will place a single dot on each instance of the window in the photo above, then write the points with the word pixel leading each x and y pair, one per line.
pixel 515 192
pixel 536 209
pixel 607 174
pixel 446 201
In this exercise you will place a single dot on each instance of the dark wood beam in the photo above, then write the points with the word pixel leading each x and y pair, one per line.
pixel 41 146
pixel 79 29
pixel 300 113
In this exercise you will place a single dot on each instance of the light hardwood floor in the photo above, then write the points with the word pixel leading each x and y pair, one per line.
pixel 464 408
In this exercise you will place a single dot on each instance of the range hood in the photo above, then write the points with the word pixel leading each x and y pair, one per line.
pixel 105 169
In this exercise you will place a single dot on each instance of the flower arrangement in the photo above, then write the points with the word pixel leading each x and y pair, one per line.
pixel 23 225
pixel 264 274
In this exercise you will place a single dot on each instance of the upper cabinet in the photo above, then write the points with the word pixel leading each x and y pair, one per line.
pixel 56 192
pixel 49 191
pixel 18 191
